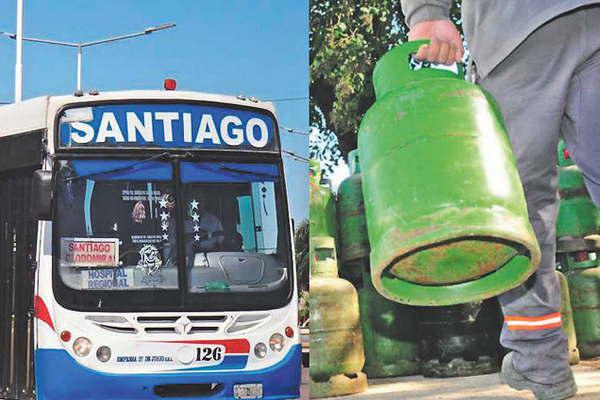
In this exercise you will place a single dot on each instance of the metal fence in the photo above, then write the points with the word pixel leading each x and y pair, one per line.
pixel 17 266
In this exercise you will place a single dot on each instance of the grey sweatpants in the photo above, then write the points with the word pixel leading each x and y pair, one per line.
pixel 548 87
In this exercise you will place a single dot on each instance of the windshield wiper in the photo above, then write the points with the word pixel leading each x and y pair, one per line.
pixel 120 169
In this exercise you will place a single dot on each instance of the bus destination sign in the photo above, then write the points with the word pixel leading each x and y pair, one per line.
pixel 169 125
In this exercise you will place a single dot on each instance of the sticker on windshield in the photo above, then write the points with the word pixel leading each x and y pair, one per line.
pixel 139 212
pixel 167 203
pixel 150 260
pixel 146 239
pixel 104 279
pixel 89 252
pixel 140 195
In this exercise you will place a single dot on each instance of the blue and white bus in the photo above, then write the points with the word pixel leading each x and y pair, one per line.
pixel 160 261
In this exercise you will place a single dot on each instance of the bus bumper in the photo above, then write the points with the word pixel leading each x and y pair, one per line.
pixel 60 377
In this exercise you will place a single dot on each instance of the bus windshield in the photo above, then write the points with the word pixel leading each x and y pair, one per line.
pixel 213 232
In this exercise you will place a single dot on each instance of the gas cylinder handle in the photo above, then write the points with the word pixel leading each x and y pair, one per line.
pixel 393 71
pixel 411 48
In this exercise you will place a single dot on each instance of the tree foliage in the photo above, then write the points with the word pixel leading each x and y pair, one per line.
pixel 324 147
pixel 347 37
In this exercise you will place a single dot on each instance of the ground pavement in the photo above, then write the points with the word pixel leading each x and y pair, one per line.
pixel 482 387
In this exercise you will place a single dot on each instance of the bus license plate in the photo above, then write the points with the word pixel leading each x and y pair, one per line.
pixel 248 391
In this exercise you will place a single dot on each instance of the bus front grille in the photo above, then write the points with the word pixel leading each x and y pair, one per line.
pixel 113 323
pixel 182 324
pixel 161 324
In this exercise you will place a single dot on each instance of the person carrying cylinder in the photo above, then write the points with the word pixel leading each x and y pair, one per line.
pixel 540 60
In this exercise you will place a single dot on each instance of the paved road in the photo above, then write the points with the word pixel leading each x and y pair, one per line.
pixel 483 387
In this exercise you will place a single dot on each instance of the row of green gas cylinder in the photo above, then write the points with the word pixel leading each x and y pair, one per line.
pixel 577 249
pixel 356 332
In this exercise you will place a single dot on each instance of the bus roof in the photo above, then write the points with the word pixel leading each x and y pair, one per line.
pixel 35 114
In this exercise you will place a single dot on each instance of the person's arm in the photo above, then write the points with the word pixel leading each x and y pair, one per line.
pixel 430 19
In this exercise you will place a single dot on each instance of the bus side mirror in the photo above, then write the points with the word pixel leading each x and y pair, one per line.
pixel 41 195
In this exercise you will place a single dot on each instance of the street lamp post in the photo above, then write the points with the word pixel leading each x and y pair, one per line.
pixel 19 53
pixel 79 46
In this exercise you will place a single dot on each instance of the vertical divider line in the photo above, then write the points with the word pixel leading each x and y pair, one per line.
pixel 183 269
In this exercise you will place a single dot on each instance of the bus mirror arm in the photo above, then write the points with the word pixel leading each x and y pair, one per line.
pixel 41 195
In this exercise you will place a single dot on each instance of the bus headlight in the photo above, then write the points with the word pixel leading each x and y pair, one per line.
pixel 260 350
pixel 276 342
pixel 82 346
pixel 103 353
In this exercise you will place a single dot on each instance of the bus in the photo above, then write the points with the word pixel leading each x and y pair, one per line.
pixel 145 249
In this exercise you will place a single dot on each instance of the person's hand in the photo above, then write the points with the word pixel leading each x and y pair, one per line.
pixel 446 45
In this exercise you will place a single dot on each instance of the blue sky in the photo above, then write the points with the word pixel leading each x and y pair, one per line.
pixel 257 48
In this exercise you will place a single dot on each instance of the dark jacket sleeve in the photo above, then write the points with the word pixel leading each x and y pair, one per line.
pixel 416 11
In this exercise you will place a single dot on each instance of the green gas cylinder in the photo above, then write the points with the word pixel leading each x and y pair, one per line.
pixel 336 347
pixel 321 205
pixel 389 333
pixel 584 290
pixel 460 340
pixel 353 238
pixel 577 214
pixel 566 314
pixel 322 256
pixel 445 208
